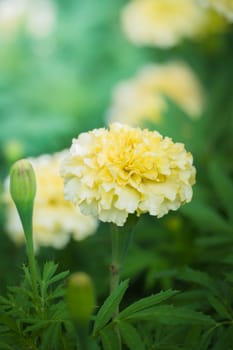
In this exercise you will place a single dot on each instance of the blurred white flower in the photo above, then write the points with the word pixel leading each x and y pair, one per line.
pixel 41 18
pixel 161 22
pixel 11 14
pixel 141 98
pixel 164 23
pixel 38 16
pixel 55 219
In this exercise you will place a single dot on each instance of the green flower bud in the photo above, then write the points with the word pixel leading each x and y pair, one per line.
pixel 23 190
pixel 80 297
pixel 22 182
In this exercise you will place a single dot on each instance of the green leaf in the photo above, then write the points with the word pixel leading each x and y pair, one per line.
pixel 131 336
pixel 51 337
pixel 168 347
pixel 4 301
pixel 206 217
pixel 222 185
pixel 57 293
pixel 4 346
pixel 205 340
pixel 21 291
pixel 176 123
pixel 109 338
pixel 27 275
pixel 146 303
pixel 94 346
pixel 198 277
pixel 224 339
pixel 229 276
pixel 219 307
pixel 228 259
pixel 192 338
pixel 49 270
pixel 111 303
pixel 59 277
pixel 8 321
pixel 50 277
pixel 38 325
pixel 170 315
pixel 214 240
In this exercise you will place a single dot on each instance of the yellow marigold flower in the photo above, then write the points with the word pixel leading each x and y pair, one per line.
pixel 125 170
pixel 55 219
pixel 142 97
pixel 225 7
pixel 164 23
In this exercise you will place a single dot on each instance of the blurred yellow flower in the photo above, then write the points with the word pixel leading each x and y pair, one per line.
pixel 124 170
pixel 142 98
pixel 55 219
pixel 225 7
pixel 165 23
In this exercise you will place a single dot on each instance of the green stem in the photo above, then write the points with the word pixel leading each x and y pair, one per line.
pixel 32 266
pixel 26 213
pixel 121 239
pixel 115 266
pixel 115 269
pixel 82 338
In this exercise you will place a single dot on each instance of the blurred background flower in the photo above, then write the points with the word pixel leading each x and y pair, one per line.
pixel 38 17
pixel 55 220
pixel 224 7
pixel 165 23
pixel 142 98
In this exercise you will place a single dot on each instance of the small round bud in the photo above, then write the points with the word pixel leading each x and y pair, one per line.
pixel 80 297
pixel 22 182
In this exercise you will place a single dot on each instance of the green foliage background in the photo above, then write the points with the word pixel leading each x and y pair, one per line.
pixel 51 90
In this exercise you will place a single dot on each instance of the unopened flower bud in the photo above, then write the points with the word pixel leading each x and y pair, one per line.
pixel 23 190
pixel 22 181
pixel 80 297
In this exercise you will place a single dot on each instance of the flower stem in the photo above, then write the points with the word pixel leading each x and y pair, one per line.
pixel 115 269
pixel 32 265
pixel 82 337
pixel 115 266
pixel 26 218
pixel 121 239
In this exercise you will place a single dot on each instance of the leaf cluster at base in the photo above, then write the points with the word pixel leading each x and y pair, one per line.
pixel 29 322
pixel 168 320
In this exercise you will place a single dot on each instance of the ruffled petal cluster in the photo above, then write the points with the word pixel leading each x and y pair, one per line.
pixel 164 23
pixel 225 7
pixel 55 219
pixel 125 170
pixel 141 98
